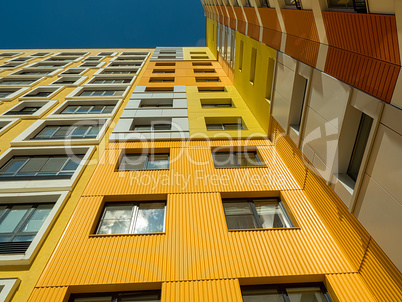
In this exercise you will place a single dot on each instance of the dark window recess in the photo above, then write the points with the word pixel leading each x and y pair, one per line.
pixel 40 94
pixel 23 111
pixel 39 167
pixel 308 292
pixel 236 159
pixel 19 224
pixel 360 146
pixel 227 126
pixel 141 296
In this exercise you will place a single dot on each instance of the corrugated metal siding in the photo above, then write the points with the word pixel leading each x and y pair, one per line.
pixel 372 35
pixel 232 18
pixel 348 287
pixel 223 12
pixel 381 276
pixel 272 38
pixel 269 18
pixel 302 49
pixel 375 77
pixel 300 23
pixel 48 294
pixel 253 29
pixel 241 22
pixel 226 290
pixel 196 246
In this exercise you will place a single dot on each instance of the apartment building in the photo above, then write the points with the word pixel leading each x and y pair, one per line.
pixel 263 167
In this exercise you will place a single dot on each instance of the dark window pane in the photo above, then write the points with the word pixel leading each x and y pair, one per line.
pixel 133 162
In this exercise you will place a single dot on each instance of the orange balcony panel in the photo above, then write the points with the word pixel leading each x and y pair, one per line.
pixel 300 23
pixel 222 9
pixel 232 16
pixel 367 34
pixel 241 27
pixel 253 31
pixel 302 49
pixel 375 77
pixel 251 15
pixel 272 38
pixel 269 18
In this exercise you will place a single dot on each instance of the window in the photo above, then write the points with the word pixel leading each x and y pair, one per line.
pixel 9 54
pixel 17 81
pixel 105 53
pixel 153 161
pixel 38 94
pixel 135 53
pixel 24 111
pixel 159 89
pixel 93 59
pixel 161 80
pixel 4 94
pixel 68 132
pixel 362 136
pixel 87 109
pixel 119 71
pixel 118 64
pixel 68 81
pixel 73 71
pixel 358 6
pixel 40 54
pixel 236 159
pixel 214 79
pixel 132 218
pixel 163 71
pixel 153 126
pixel 216 103
pixel 253 64
pixel 19 224
pixel 261 213
pixel 111 81
pixel 143 296
pixel 241 50
pixel 101 92
pixel 202 64
pixel 204 71
pixel 314 292
pixel 48 64
pixel 39 167
pixel 225 126
pixel 61 59
pixel 156 103
pixel 21 59
pixel 167 52
pixel 11 65
pixel 42 92
pixel 210 89
pixel 165 64
pixel 78 54
pixel 293 3
pixel 91 64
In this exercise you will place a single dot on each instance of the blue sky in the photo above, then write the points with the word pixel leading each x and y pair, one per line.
pixel 101 23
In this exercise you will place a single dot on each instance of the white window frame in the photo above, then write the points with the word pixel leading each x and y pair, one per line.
pixel 78 80
pixel 62 65
pixel 68 59
pixel 76 92
pixel 72 53
pixel 19 186
pixel 73 75
pixel 56 114
pixel 26 137
pixel 139 66
pixel 14 65
pixel 45 107
pixel 110 77
pixel 12 60
pixel 9 288
pixel 100 71
pixel 98 65
pixel 58 198
pixel 38 79
pixel 45 54
pixel 111 55
pixel 16 93
pixel 7 124
pixel 13 56
pixel 55 89
pixel 53 72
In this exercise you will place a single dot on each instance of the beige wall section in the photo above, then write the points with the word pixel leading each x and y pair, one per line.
pixel 382 6
pixel 379 206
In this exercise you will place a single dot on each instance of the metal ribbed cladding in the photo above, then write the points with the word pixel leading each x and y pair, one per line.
pixel 226 290
pixel 348 287
pixel 48 294
pixel 196 246
pixel 381 276
pixel 300 23
pixel 302 49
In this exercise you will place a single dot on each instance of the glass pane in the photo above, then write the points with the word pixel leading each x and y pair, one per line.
pixel 310 294
pixel 94 299
pixel 270 214
pixel 140 297
pixel 71 165
pixel 13 165
pixel 33 166
pixel 162 126
pixel 83 109
pixel 116 220
pixel 142 127
pixel 224 159
pixel 237 208
pixel 80 131
pixel 69 109
pixel 23 238
pixel 108 109
pixel 13 218
pixel 150 218
pixel 93 132
pixel 36 220
pixel 63 132
pixel 156 161
pixel 241 222
pixel 214 127
pixel 5 238
pixel 97 109
pixel 263 295
pixel 133 162
pixel 53 165
pixel 248 159
pixel 233 126
pixel 47 132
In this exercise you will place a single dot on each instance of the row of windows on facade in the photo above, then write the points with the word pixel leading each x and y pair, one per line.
pixel 302 292
pixel 57 64
pixel 10 81
pixel 63 166
pixel 78 54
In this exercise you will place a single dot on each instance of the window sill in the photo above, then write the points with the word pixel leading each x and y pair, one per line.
pixel 130 170
pixel 263 229
pixel 263 166
pixel 119 235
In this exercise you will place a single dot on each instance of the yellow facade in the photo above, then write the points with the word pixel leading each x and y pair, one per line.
pixel 198 53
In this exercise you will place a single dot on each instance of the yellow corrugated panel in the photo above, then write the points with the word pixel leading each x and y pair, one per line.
pixel 291 155
pixel 348 288
pixel 196 246
pixel 48 294
pixel 227 290
pixel 382 277
pixel 191 170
